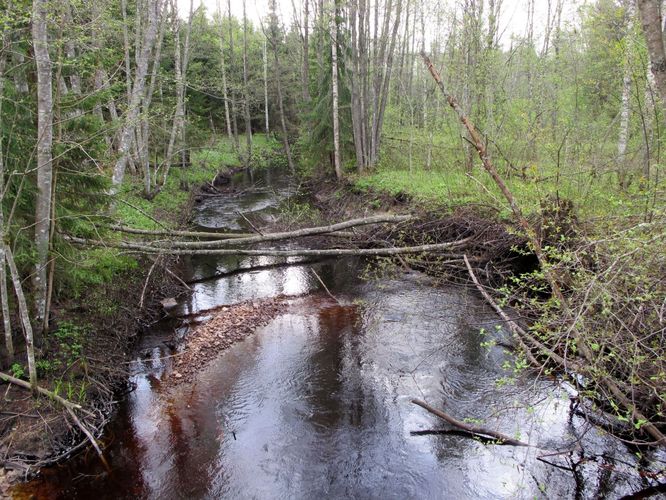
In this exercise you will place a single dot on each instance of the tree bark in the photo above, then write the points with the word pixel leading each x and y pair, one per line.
pixel 137 94
pixel 246 94
pixel 334 85
pixel 328 252
pixel 265 57
pixel 24 315
pixel 624 129
pixel 4 296
pixel 650 13
pixel 225 90
pixel 232 65
pixel 311 231
pixel 180 68
pixel 44 155
pixel 305 73
pixel 275 40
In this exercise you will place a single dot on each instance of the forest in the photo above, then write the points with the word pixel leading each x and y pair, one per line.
pixel 512 149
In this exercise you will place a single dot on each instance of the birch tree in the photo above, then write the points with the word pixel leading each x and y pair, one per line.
pixel 651 20
pixel 246 94
pixel 154 13
pixel 334 86
pixel 44 155
pixel 4 297
pixel 180 68
pixel 225 90
pixel 276 38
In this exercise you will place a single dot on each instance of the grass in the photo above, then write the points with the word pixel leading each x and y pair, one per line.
pixel 206 162
pixel 592 196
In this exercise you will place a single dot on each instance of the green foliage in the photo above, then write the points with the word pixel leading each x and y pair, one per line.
pixel 70 339
pixel 17 370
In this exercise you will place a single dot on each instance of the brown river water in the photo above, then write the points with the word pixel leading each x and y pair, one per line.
pixel 316 404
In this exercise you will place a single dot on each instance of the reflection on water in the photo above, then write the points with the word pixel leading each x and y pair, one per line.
pixel 317 404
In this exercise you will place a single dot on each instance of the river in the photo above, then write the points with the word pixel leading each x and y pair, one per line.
pixel 316 404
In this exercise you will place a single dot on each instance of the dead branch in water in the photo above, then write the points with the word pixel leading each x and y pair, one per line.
pixel 475 430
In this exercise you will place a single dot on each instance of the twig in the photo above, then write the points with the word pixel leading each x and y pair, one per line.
pixel 249 222
pixel 145 284
pixel 178 278
pixel 324 285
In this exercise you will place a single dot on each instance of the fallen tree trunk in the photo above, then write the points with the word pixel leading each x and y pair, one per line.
pixel 472 429
pixel 299 233
pixel 185 234
pixel 45 392
pixel 203 234
pixel 333 252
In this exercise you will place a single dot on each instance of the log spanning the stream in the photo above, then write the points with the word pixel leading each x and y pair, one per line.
pixel 326 252
pixel 216 247
pixel 299 233
pixel 204 235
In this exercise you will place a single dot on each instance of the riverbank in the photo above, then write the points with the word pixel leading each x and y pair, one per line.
pixel 110 300
pixel 605 321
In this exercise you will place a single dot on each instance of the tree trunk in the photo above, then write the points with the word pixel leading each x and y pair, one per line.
pixel 246 95
pixel 24 314
pixel 138 90
pixel 44 155
pixel 180 68
pixel 305 73
pixel 265 56
pixel 4 297
pixel 385 87
pixel 225 90
pixel 334 85
pixel 275 39
pixel 624 129
pixel 143 132
pixel 650 11
pixel 232 58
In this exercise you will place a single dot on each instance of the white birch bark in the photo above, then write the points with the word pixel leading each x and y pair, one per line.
pixel 44 155
pixel 138 90
pixel 180 66
pixel 246 93
pixel 4 297
pixel 275 41
pixel 225 90
pixel 24 314
pixel 334 85
pixel 624 128
pixel 265 56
